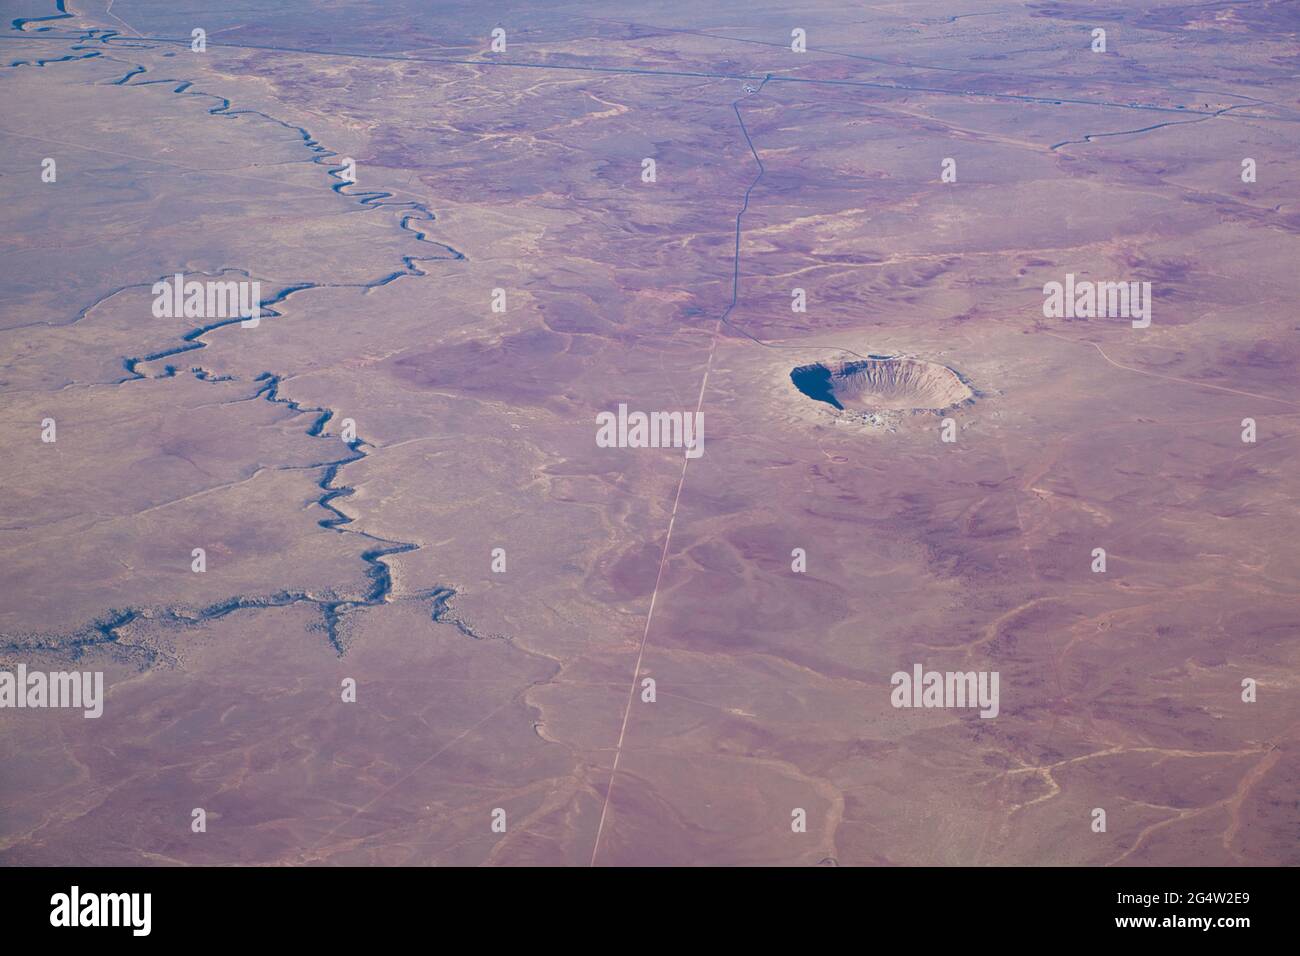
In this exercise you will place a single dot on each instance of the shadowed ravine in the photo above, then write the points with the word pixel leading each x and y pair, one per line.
pixel 106 630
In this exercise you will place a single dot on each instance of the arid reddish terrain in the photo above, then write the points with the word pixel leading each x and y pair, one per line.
pixel 432 620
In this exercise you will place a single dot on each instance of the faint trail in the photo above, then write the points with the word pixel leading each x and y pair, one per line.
pixel 1045 100
pixel 108 11
pixel 1089 137
pixel 645 634
pixel 1231 804
pixel 1249 781
pixel 735 272
pixel 995 815
pixel 1172 378
pixel 905 64
pixel 681 482
pixel 420 766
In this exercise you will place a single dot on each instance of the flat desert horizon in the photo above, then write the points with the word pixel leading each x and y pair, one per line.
pixel 630 434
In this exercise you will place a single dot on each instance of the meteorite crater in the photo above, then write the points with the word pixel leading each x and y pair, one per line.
pixel 883 383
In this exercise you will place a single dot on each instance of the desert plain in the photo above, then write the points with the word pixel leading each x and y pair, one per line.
pixel 431 602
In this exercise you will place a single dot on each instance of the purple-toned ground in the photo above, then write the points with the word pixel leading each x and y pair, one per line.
pixel 397 484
